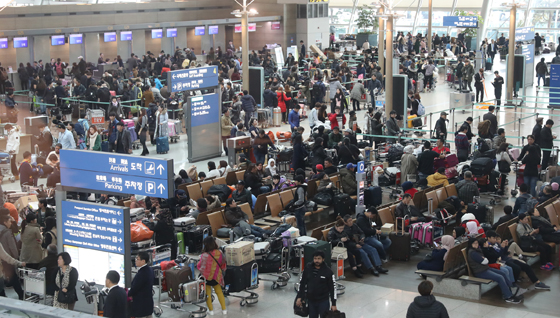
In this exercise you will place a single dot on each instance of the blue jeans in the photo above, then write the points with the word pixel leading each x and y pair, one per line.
pixel 368 250
pixel 509 272
pixel 257 231
pixel 531 182
pixel 319 308
pixel 264 189
pixel 539 76
pixel 500 278
pixel 380 245
pixel 300 218
pixel 259 157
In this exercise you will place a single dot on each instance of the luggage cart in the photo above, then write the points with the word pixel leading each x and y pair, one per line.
pixel 253 297
pixel 94 296
pixel 200 284
pixel 96 117
pixel 282 277
pixel 35 285
pixel 5 165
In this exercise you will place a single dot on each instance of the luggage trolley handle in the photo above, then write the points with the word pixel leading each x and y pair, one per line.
pixel 401 233
pixel 285 255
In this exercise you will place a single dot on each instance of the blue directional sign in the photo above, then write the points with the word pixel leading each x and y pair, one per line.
pixel 193 78
pixel 524 34
pixel 116 173
pixel 529 52
pixel 461 21
pixel 361 167
pixel 205 109
pixel 555 85
pixel 93 226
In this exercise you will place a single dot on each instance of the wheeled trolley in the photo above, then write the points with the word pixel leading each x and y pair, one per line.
pixel 253 297
pixel 282 277
pixel 191 293
pixel 34 285
pixel 6 165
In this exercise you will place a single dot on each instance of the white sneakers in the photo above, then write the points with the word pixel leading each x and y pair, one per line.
pixel 211 312
pixel 224 312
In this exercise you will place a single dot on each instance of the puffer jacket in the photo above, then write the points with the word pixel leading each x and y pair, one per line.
pixel 349 183
pixel 248 103
pixel 437 179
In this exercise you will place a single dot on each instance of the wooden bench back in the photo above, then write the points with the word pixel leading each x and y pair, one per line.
pixel 464 251
pixel 216 219
pixel 274 204
pixel 194 191
pixel 206 185
pixel 221 180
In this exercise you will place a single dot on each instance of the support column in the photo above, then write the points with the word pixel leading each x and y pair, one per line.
pixel 389 66
pixel 511 54
pixel 381 45
pixel 430 9
pixel 245 46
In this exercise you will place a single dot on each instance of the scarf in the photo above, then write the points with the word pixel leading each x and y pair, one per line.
pixel 93 138
pixel 447 242
pixel 65 283
pixel 271 168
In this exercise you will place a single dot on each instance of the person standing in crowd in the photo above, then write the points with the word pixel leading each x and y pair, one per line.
pixel 12 146
pixel 426 305
pixel 314 116
pixel 537 130
pixel 260 146
pixel 226 125
pixel 334 86
pixel 28 173
pixel 212 266
pixel 50 263
pixel 356 94
pixel 409 164
pixel 293 118
pixel 164 230
pixel 162 118
pixel 317 285
pixel 441 126
pixel 498 83
pixel 546 143
pixel 248 105
pixel 374 86
pixel 31 251
pixel 479 85
pixel 462 144
pixel 493 121
pixel 468 73
pixel 426 160
pixel 9 254
pixel 542 71
pixel 93 139
pixel 282 99
pixel 143 131
pixel 391 126
pixel 65 295
pixel 115 305
pixel 140 291
pixel 123 143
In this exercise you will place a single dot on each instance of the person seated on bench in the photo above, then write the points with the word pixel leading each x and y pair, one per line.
pixel 499 249
pixel 367 252
pixel 348 179
pixel 508 217
pixel 213 201
pixel 546 194
pixel 201 206
pixel 325 184
pixel 279 182
pixel 373 233
pixel 337 235
pixel 426 160
pixel 408 187
pixel 330 168
pixel 426 304
pixel 467 189
pixel 548 231
pixel 407 208
pixel 253 181
pixel 435 261
pixel 438 178
pixel 239 221
pixel 530 240
pixel 473 228
pixel 459 235
pixel 241 194
pixel 494 261
pixel 479 267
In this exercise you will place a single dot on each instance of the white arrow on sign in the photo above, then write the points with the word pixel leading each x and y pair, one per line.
pixel 118 213
pixel 120 240
pixel 161 188
pixel 120 249
pixel 120 231
pixel 161 169
pixel 173 76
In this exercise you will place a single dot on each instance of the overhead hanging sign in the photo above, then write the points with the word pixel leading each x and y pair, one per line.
pixel 116 173
pixel 193 78
pixel 461 21
pixel 524 34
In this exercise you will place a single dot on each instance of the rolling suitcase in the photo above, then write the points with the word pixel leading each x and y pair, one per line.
pixel 478 210
pixel 271 263
pixel 262 249
pixel 193 291
pixel 342 204
pixel 174 278
pixel 133 135
pixel 162 145
pixel 171 129
pixel 238 278
pixel 180 242
pixel 137 214
pixel 373 196
pixel 183 224
pixel 194 237
pixel 312 247
pixel 400 248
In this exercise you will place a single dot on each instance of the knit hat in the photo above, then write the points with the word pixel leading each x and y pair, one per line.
pixel 554 186
pixel 319 167
pixel 407 185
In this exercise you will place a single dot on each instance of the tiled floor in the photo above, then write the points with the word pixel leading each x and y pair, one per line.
pixel 390 295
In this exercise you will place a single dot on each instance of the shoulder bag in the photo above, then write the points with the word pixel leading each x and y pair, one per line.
pixel 339 251
pixel 302 311
pixel 223 273
pixel 64 298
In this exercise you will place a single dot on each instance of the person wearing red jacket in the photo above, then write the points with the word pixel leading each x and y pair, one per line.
pixel 336 118
pixel 282 99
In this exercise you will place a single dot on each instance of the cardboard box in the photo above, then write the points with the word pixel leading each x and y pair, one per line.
pixel 240 253
pixel 23 202
pixel 292 232
pixel 387 228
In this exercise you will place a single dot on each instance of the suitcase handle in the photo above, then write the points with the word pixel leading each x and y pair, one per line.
pixel 402 227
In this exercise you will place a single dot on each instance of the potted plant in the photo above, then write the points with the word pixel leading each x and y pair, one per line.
pixel 367 26
pixel 470 33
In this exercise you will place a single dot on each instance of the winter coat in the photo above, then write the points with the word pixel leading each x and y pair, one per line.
pixel 426 307
pixel 348 180
pixel 248 103
pixel 282 99
pixel 409 165
pixel 437 179
pixel 31 251
pixel 357 91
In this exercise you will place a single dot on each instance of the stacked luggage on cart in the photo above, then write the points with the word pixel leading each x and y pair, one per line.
pixel 190 235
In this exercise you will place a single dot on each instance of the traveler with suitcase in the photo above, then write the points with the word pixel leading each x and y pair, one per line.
pixel 317 285
pixel 212 265
pixel 140 290
pixel 407 209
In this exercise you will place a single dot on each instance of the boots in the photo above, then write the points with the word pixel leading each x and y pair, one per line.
pixel 382 270
pixel 357 273
pixel 374 271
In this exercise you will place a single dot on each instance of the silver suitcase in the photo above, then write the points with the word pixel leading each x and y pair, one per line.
pixel 182 224
pixel 194 291
pixel 261 249
pixel 137 214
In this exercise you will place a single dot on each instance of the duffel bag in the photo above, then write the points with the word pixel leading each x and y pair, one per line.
pixel 323 198
pixel 482 166
pixel 221 190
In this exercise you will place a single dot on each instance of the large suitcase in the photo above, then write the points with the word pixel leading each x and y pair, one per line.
pixel 479 211
pixel 482 166
pixel 133 135
pixel 342 204
pixel 174 278
pixel 162 145
pixel 312 247
pixel 105 146
pixel 180 242
pixel 137 214
pixel 373 196
pixel 193 291
pixel 171 129
pixel 239 278
pixel 194 237
pixel 184 223
pixel 262 249
pixel 271 263
pixel 400 248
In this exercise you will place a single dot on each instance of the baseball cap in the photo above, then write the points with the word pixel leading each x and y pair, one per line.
pixel 348 130
pixel 319 167
pixel 351 166
pixel 443 114
pixel 241 182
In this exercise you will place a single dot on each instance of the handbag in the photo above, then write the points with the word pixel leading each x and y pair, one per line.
pixel 63 298
pixel 504 166
pixel 335 314
pixel 302 311
pixel 339 251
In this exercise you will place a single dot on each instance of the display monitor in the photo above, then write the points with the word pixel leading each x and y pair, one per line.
pixel 275 26
pixel 171 33
pixel 58 40
pixel 110 36
pixel 213 29
pixel 3 43
pixel 252 27
pixel 76 38
pixel 20 42
pixel 126 36
pixel 238 28
pixel 157 33
pixel 94 265
pixel 200 30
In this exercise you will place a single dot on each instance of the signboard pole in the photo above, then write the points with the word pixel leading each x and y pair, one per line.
pixel 361 184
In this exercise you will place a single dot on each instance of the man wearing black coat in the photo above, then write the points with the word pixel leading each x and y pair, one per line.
pixel 546 143
pixel 142 304
pixel 115 303
pixel 50 262
pixel 269 96
pixel 441 126
pixel 317 285
pixel 537 130
pixel 426 304
pixel 493 120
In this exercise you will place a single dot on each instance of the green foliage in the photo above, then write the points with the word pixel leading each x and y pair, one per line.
pixel 470 31
pixel 366 20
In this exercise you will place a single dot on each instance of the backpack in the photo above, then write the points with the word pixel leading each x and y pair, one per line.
pixel 80 129
pixel 91 95
pixel 421 109
pixel 59 69
pixel 529 204
pixel 317 90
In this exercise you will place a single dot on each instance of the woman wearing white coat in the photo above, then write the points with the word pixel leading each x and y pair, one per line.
pixel 161 123
pixel 12 147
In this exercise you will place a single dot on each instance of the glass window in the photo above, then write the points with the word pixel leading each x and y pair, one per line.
pixel 437 18
pixel 340 15
pixel 500 18
pixel 544 19
pixel 310 11
pixel 546 3
pixel 339 29
pixel 406 18
pixel 302 11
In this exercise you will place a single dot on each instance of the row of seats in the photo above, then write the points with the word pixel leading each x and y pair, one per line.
pixel 439 194
pixel 199 189
pixel 217 219
pixel 278 201
pixel 552 209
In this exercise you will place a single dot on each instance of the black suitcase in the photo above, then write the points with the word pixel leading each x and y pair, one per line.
pixel 342 204
pixel 271 264
pixel 494 180
pixel 482 166
pixel 238 278
pixel 417 122
pixel 194 237
pixel 373 196
pixel 312 247
pixel 488 66
pixel 400 248
pixel 478 210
